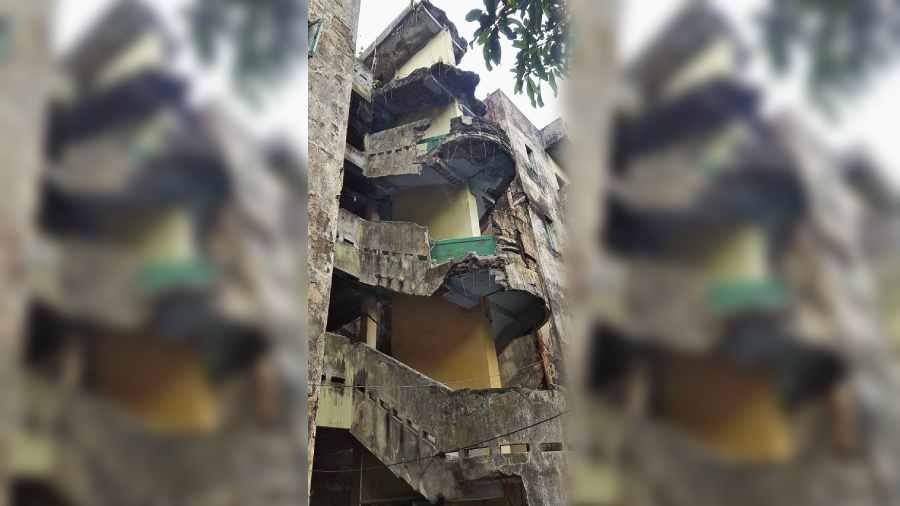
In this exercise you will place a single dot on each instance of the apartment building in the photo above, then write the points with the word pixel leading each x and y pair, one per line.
pixel 441 352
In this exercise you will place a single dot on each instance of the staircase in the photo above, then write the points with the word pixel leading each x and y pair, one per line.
pixel 450 444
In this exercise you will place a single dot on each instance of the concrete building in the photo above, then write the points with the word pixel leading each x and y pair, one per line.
pixel 26 70
pixel 160 350
pixel 445 315
pixel 736 356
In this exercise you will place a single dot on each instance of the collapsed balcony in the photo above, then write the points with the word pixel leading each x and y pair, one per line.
pixel 134 233
pixel 705 109
pixel 410 31
pixel 399 257
pixel 425 89
pixel 748 193
pixel 475 153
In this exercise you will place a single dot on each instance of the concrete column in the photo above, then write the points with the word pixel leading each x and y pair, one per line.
pixel 371 314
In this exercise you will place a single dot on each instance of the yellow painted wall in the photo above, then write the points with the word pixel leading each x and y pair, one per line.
pixel 438 49
pixel 740 257
pixel 732 410
pixel 169 238
pixel 717 60
pixel 444 341
pixel 163 385
pixel 449 213
pixel 440 120
pixel 146 52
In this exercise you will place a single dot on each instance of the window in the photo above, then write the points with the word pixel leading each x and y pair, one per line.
pixel 550 234
pixel 314 30
pixel 531 166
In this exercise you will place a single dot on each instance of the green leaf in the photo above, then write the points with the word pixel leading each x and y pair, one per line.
pixel 552 80
pixel 495 48
pixel 531 91
pixel 473 15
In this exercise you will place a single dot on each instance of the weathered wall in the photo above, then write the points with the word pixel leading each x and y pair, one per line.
pixel 191 449
pixel 444 341
pixel 448 212
pixel 330 81
pixel 438 49
pixel 397 422
pixel 25 71
pixel 733 410
pixel 537 199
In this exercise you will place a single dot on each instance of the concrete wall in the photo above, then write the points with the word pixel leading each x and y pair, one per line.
pixel 717 60
pixel 162 385
pixel 25 71
pixel 542 202
pixel 147 52
pixel 741 257
pixel 448 212
pixel 330 82
pixel 438 50
pixel 444 341
pixel 733 411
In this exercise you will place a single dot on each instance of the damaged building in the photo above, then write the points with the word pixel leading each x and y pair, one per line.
pixel 439 229
pixel 735 352
pixel 164 286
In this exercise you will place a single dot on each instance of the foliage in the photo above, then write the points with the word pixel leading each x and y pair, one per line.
pixel 264 35
pixel 538 29
pixel 846 41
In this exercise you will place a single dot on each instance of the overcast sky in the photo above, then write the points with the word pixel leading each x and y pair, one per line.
pixel 869 121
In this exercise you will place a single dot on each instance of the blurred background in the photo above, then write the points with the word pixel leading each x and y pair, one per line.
pixel 696 201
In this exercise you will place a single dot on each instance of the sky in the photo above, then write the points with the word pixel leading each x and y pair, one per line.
pixel 377 14
pixel 868 120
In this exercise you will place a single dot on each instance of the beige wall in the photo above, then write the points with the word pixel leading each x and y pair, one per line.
pixel 438 49
pixel 717 60
pixel 733 410
pixel 741 257
pixel 444 341
pixel 147 52
pixel 163 385
pixel 449 213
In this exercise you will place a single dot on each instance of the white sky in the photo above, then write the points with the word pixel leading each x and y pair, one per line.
pixel 867 121
pixel 377 14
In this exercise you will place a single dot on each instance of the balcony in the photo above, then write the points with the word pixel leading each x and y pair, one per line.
pixel 475 153
pixel 399 257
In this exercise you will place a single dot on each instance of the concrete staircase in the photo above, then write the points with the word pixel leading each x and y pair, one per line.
pixel 450 444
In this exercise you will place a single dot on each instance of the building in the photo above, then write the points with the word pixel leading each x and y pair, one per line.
pixel 736 355
pixel 436 251
pixel 160 351
pixel 26 68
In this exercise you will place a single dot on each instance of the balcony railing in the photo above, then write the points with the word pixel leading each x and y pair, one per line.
pixel 449 249
pixel 731 296
pixel 159 276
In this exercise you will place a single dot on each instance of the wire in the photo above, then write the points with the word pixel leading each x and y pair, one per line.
pixel 444 452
